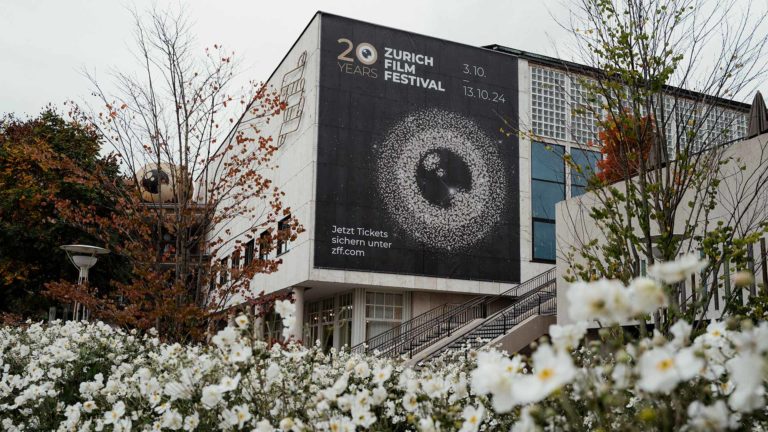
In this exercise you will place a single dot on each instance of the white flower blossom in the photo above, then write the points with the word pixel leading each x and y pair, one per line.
pixel 677 271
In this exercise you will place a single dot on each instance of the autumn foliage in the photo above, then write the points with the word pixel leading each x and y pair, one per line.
pixel 625 142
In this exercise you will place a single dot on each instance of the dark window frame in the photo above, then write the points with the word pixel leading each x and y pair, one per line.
pixel 249 250
pixel 282 245
pixel 544 179
pixel 223 275
pixel 264 245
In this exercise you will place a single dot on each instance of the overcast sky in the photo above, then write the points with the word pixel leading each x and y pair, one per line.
pixel 46 44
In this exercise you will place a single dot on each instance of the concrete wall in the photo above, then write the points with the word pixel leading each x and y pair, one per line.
pixel 293 165
pixel 742 203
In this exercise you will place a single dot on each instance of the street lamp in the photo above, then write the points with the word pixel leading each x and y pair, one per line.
pixel 83 257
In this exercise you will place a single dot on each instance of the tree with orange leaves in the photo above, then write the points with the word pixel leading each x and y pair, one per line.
pixel 193 175
pixel 624 143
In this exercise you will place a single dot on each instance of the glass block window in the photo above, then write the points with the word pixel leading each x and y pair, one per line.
pixel 586 111
pixel 548 102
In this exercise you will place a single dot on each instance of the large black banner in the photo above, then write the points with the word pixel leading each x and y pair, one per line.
pixel 414 175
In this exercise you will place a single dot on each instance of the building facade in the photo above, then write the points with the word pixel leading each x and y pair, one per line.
pixel 402 155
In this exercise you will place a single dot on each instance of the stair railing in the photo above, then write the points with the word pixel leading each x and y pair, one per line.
pixel 471 310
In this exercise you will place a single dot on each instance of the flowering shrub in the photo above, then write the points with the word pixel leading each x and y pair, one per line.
pixel 89 376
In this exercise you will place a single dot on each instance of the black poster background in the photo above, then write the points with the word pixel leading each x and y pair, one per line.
pixel 355 113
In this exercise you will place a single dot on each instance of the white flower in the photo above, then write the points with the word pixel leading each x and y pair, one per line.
pixel 382 374
pixel 661 369
pixel 212 396
pixel 526 422
pixel 242 321
pixel 434 387
pixel 264 426
pixel 89 406
pixel 646 296
pixel 288 323
pixel 715 417
pixel 551 370
pixel 604 300
pixel 677 271
pixel 228 383
pixel 426 424
pixel 494 375
pixel 341 424
pixel 472 417
pixel 567 337
pixel 285 308
pixel 379 395
pixel 410 402
pixel 362 370
pixel 746 372
pixel 362 400
pixel 362 417
pixel 172 420
pixel 240 353
pixel 113 415
pixel 191 422
pixel 237 416
pixel 224 338
pixel 286 424
pixel 681 331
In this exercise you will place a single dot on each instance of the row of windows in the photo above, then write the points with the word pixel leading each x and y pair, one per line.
pixel 249 250
pixel 548 187
pixel 563 108
pixel 330 320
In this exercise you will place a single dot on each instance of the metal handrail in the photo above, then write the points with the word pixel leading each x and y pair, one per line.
pixel 382 340
pixel 425 329
pixel 470 310
pixel 524 308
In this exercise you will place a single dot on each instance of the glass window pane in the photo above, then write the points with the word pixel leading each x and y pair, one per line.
pixel 547 162
pixel 380 298
pixel 398 313
pixel 587 161
pixel 544 196
pixel 544 246
pixel 389 313
pixel 369 298
pixel 369 311
pixel 578 190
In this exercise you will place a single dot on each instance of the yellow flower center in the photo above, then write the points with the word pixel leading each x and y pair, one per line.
pixel 716 333
pixel 546 374
pixel 473 419
pixel 665 364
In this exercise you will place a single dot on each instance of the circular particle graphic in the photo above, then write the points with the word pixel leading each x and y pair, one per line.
pixel 441 179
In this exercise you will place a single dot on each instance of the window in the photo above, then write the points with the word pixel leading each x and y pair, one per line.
pixel 345 319
pixel 547 189
pixel 329 321
pixel 586 161
pixel 274 326
pixel 236 260
pixel 223 272
pixel 264 241
pixel 383 311
pixel 249 252
pixel 548 102
pixel 284 230
pixel 544 244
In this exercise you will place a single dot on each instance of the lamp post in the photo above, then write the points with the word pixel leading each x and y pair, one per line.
pixel 83 257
